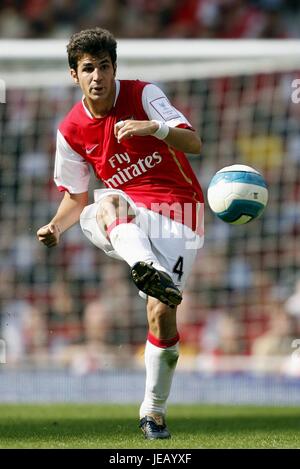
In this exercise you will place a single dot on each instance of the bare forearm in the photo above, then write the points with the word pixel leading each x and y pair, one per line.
pixel 181 139
pixel 184 140
pixel 69 210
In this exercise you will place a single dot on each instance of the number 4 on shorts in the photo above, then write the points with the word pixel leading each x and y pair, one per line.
pixel 178 268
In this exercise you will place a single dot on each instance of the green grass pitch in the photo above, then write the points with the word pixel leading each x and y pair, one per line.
pixel 116 426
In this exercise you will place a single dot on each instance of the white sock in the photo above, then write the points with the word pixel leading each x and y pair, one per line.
pixel 160 367
pixel 133 245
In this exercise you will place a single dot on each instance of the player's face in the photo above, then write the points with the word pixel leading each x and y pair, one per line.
pixel 96 77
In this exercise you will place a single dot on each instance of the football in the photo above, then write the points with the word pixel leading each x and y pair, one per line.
pixel 237 194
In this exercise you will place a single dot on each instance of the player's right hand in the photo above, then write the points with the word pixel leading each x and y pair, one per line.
pixel 49 235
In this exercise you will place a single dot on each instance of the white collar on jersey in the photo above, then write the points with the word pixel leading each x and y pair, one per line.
pixel 116 97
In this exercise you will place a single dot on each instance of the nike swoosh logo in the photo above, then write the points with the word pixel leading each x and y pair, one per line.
pixel 91 149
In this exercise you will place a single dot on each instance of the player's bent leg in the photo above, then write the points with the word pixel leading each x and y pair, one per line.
pixel 95 232
pixel 117 218
pixel 161 355
pixel 110 224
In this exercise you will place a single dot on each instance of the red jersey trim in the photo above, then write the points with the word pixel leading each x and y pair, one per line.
pixel 185 126
pixel 62 189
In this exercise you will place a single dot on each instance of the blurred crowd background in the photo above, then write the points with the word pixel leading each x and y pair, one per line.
pixel 230 19
pixel 74 307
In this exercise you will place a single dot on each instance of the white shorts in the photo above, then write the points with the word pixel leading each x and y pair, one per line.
pixel 175 245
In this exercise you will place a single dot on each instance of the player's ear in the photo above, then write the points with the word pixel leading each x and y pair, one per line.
pixel 74 75
pixel 115 69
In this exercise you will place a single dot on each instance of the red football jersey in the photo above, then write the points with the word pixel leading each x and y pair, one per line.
pixel 152 173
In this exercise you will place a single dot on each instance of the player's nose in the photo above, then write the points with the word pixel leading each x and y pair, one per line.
pixel 97 75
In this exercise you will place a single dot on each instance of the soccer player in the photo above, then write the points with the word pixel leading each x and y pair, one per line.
pixel 150 214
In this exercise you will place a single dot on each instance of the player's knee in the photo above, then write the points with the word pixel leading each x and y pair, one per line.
pixel 112 207
pixel 109 203
pixel 112 200
pixel 107 209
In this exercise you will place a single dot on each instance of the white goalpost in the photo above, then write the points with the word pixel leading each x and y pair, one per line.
pixel 152 60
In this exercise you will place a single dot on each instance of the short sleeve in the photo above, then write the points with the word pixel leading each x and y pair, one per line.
pixel 157 106
pixel 71 171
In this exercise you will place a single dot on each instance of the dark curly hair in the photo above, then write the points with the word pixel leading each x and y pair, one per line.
pixel 91 41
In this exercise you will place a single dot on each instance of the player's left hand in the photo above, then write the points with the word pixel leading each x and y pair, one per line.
pixel 130 128
pixel 49 235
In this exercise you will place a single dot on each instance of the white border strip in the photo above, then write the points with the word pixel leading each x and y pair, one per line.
pixel 154 72
pixel 159 49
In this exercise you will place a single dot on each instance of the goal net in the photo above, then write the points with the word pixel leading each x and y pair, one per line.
pixel 72 305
